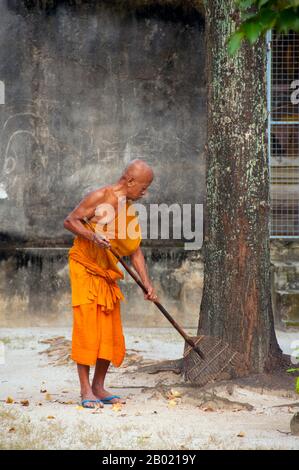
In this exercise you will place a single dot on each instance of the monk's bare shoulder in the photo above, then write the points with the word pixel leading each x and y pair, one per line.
pixel 100 195
pixel 87 206
pixel 95 195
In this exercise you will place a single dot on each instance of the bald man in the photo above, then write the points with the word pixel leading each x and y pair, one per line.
pixel 97 329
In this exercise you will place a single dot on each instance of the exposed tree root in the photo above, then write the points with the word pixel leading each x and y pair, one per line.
pixel 175 366
pixel 211 402
pixel 279 362
pixel 294 425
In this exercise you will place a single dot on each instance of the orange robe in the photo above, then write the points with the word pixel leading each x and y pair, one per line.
pixel 97 326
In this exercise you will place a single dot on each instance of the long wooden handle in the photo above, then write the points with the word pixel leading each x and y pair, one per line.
pixel 187 338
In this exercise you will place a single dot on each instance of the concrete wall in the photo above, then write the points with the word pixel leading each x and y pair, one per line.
pixel 88 89
pixel 35 290
pixel 285 282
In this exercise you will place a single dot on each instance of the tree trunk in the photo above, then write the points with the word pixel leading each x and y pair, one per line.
pixel 236 304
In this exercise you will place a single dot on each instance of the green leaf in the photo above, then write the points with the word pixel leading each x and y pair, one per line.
pixel 245 15
pixel 252 31
pixel 288 20
pixel 266 18
pixel 245 4
pixel 292 370
pixel 234 42
pixel 297 385
pixel 261 3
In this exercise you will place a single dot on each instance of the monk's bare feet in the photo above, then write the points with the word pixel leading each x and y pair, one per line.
pixel 101 393
pixel 90 400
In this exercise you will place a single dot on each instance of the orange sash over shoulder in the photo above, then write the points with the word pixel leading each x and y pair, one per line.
pixel 93 270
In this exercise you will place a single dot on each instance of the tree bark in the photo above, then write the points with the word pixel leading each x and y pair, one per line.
pixel 236 304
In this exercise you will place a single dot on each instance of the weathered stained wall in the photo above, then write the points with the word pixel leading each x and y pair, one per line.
pixel 35 291
pixel 285 282
pixel 87 90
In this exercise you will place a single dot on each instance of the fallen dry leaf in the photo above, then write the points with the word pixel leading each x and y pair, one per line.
pixel 145 436
pixel 116 406
pixel 24 402
pixel 9 400
pixel 50 417
pixel 175 393
pixel 207 408
pixel 43 390
pixel 79 407
pixel 172 402
pixel 59 349
pixel 51 340
pixel 11 429
pixel 69 402
pixel 241 434
pixel 48 397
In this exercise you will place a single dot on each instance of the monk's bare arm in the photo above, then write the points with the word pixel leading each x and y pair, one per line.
pixel 138 262
pixel 86 208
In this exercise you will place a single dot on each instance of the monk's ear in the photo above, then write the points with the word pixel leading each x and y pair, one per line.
pixel 130 181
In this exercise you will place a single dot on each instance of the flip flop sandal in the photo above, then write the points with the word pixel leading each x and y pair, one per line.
pixel 107 400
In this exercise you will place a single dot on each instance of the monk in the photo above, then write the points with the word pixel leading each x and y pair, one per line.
pixel 97 337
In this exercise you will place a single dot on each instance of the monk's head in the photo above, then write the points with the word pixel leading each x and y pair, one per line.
pixel 138 175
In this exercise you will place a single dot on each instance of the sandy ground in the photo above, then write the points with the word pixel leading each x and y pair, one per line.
pixel 152 417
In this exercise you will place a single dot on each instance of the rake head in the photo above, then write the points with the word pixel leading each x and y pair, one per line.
pixel 220 362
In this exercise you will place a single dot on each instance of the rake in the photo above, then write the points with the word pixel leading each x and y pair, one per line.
pixel 187 338
pixel 214 359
